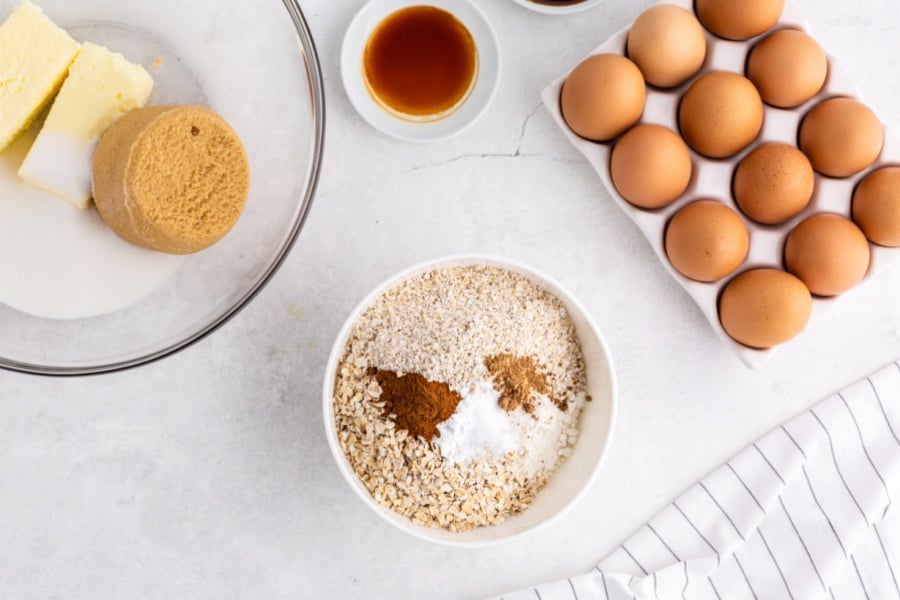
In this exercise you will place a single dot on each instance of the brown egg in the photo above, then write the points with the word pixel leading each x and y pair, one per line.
pixel 788 68
pixel 841 137
pixel 603 97
pixel 764 307
pixel 706 241
pixel 773 183
pixel 720 114
pixel 828 253
pixel 668 45
pixel 739 19
pixel 650 166
pixel 876 206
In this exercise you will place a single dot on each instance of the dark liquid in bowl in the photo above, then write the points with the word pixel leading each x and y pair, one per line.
pixel 420 61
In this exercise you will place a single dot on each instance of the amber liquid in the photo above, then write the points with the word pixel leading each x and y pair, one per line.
pixel 420 63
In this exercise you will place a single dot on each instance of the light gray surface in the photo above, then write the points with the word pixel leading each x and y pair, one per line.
pixel 208 476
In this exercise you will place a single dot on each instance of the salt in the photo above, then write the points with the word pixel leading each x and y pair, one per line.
pixel 548 435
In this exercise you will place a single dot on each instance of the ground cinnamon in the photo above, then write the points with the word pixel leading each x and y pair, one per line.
pixel 520 380
pixel 414 403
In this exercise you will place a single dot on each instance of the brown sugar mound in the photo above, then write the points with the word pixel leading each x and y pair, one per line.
pixel 171 178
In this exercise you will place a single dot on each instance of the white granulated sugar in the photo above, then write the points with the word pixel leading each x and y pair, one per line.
pixel 479 428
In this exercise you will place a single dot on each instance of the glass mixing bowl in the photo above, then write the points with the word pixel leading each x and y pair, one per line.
pixel 254 63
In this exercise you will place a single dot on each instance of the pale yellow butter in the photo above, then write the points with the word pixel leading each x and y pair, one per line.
pixel 35 56
pixel 101 87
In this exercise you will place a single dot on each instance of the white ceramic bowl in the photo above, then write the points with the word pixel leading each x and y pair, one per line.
pixel 487 79
pixel 573 477
pixel 564 9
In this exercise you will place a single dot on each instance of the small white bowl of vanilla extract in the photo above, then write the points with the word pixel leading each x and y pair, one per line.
pixel 420 71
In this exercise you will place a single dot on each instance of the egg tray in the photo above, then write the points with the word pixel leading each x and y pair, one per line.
pixel 712 178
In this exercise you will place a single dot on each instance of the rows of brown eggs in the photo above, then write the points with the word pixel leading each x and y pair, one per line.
pixel 724 127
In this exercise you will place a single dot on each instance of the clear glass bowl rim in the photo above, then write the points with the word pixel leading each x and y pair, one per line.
pixel 317 90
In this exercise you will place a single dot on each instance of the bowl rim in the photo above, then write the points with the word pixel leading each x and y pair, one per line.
pixel 310 58
pixel 337 351
pixel 569 9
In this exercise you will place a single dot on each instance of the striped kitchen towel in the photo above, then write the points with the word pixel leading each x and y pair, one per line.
pixel 805 512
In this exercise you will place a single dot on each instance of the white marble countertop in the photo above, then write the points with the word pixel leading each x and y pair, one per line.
pixel 207 475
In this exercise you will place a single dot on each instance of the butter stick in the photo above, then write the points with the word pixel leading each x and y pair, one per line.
pixel 35 56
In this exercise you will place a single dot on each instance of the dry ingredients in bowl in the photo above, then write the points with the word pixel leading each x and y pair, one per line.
pixel 458 395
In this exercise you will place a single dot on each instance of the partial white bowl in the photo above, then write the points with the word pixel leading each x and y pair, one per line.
pixel 488 77
pixel 562 9
pixel 574 476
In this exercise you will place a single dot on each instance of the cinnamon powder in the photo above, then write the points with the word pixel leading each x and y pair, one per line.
pixel 416 404
pixel 520 380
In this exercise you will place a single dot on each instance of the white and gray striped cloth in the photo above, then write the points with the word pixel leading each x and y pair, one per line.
pixel 805 512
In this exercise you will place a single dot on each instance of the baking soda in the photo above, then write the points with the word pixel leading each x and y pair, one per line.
pixel 481 430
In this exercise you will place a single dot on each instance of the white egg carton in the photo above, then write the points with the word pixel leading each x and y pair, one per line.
pixel 712 178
